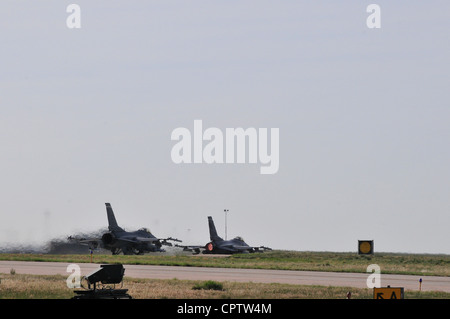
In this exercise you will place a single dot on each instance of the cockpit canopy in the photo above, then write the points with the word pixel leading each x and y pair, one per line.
pixel 145 230
pixel 239 238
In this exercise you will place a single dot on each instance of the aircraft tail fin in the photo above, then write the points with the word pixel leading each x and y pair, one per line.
pixel 212 230
pixel 112 223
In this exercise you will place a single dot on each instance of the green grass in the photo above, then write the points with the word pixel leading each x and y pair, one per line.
pixel 208 285
pixel 390 263
pixel 19 286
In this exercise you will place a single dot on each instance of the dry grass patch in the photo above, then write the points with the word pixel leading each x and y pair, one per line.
pixel 186 289
pixel 414 264
pixel 19 286
pixel 15 286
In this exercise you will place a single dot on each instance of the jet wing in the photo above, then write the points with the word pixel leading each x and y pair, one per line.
pixel 261 248
pixel 244 248
pixel 241 247
pixel 194 249
pixel 146 239
pixel 233 248
pixel 165 241
pixel 136 240
pixel 92 243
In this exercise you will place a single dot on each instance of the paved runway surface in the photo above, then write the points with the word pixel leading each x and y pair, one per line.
pixel 358 280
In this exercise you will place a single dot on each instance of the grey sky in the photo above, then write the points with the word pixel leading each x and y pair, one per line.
pixel 86 117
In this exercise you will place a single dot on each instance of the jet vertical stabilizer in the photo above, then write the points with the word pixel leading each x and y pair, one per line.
pixel 212 230
pixel 112 223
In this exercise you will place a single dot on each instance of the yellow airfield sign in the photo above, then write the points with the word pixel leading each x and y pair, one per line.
pixel 388 293
pixel 365 247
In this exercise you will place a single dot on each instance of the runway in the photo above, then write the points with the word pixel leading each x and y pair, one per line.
pixel 357 280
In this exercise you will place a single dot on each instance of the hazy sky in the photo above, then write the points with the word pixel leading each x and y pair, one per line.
pixel 86 117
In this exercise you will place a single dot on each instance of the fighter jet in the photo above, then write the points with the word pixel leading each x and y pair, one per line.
pixel 129 243
pixel 217 245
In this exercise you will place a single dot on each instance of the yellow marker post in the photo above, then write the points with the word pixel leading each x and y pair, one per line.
pixel 365 247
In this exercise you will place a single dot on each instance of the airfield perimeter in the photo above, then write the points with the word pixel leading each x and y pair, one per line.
pixel 240 274
pixel 430 283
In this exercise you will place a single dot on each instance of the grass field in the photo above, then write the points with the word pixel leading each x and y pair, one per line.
pixel 390 263
pixel 18 286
